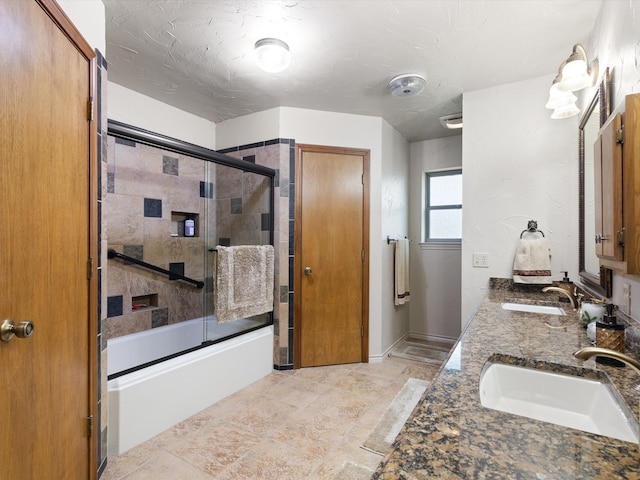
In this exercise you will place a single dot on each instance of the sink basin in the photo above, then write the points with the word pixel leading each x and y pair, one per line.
pixel 562 399
pixel 526 307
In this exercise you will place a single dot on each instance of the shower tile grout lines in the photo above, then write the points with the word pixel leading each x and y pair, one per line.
pixel 296 424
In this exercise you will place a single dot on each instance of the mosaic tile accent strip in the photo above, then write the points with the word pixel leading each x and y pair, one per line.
pixel 284 293
pixel 114 306
pixel 265 222
pixel 134 251
pixel 178 268
pixel 170 165
pixel 206 190
pixel 159 317
pixel 111 182
pixel 236 206
pixel 153 208
pixel 274 141
pixel 124 141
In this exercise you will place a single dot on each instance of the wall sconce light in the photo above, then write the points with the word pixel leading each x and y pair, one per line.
pixel 452 121
pixel 575 73
pixel 272 55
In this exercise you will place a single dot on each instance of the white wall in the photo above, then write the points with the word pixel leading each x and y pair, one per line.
pixel 89 18
pixel 388 151
pixel 435 273
pixel 395 224
pixel 518 165
pixel 248 129
pixel 133 108
pixel 615 41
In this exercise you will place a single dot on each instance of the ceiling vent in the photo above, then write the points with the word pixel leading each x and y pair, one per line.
pixel 407 85
pixel 452 121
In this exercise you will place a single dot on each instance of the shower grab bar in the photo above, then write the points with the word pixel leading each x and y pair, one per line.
pixel 111 253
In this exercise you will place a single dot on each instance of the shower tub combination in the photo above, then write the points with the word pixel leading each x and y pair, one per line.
pixel 162 375
pixel 146 402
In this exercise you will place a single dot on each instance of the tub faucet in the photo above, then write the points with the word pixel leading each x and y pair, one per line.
pixel 588 352
pixel 562 291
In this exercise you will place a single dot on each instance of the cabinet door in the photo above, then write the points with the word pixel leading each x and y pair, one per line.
pixel 631 169
pixel 608 191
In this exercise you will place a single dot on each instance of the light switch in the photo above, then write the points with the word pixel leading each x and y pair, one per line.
pixel 481 260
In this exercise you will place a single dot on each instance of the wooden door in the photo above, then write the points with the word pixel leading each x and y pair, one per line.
pixel 46 393
pixel 331 256
pixel 608 192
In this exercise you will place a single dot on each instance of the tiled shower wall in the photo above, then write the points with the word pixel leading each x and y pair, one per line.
pixel 279 154
pixel 150 193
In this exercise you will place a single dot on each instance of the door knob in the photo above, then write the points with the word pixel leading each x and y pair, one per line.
pixel 307 270
pixel 8 330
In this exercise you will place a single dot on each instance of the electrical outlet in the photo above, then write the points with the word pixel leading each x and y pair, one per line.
pixel 626 298
pixel 481 260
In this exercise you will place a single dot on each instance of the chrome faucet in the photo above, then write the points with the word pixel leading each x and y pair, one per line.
pixel 562 291
pixel 588 352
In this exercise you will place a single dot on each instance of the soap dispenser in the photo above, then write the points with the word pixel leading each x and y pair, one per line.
pixel 567 286
pixel 610 334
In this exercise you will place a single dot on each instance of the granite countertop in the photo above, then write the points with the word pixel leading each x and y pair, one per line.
pixel 451 435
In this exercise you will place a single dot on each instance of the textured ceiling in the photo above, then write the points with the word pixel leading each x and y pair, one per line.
pixel 197 55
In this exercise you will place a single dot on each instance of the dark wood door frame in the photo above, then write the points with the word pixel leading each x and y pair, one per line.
pixel 298 273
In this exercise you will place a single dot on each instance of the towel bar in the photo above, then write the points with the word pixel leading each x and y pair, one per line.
pixel 389 239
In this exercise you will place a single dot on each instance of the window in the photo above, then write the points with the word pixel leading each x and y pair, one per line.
pixel 443 206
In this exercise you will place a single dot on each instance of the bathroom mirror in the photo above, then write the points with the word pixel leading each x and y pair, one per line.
pixel 591 274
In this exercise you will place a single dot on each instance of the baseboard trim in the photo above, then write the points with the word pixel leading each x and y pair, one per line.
pixel 420 336
pixel 431 338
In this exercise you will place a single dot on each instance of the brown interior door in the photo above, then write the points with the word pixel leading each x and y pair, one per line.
pixel 331 256
pixel 45 83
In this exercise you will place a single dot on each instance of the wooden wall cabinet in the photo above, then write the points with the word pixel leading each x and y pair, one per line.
pixel 617 189
pixel 607 165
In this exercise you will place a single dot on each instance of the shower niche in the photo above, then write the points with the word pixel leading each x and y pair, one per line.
pixel 185 224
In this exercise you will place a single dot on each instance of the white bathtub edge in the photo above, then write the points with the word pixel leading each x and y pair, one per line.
pixel 145 403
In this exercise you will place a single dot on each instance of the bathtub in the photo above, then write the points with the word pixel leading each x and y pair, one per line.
pixel 129 351
pixel 146 402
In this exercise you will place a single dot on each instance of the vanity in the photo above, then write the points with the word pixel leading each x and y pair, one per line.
pixel 450 434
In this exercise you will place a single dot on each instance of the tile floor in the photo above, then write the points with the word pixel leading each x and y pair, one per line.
pixel 296 424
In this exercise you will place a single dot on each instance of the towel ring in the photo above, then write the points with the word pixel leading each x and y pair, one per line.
pixel 532 227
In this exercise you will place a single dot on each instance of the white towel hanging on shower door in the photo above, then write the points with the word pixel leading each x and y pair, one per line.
pixel 244 282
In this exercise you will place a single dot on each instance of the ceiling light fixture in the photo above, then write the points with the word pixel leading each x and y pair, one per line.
pixel 407 85
pixel 272 55
pixel 452 121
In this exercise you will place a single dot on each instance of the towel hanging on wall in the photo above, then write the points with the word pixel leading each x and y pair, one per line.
pixel 532 262
pixel 401 280
pixel 244 282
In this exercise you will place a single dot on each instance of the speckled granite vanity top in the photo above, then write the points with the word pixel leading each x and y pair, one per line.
pixel 451 435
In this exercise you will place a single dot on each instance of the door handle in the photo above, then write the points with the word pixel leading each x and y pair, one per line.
pixel 307 270
pixel 8 330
